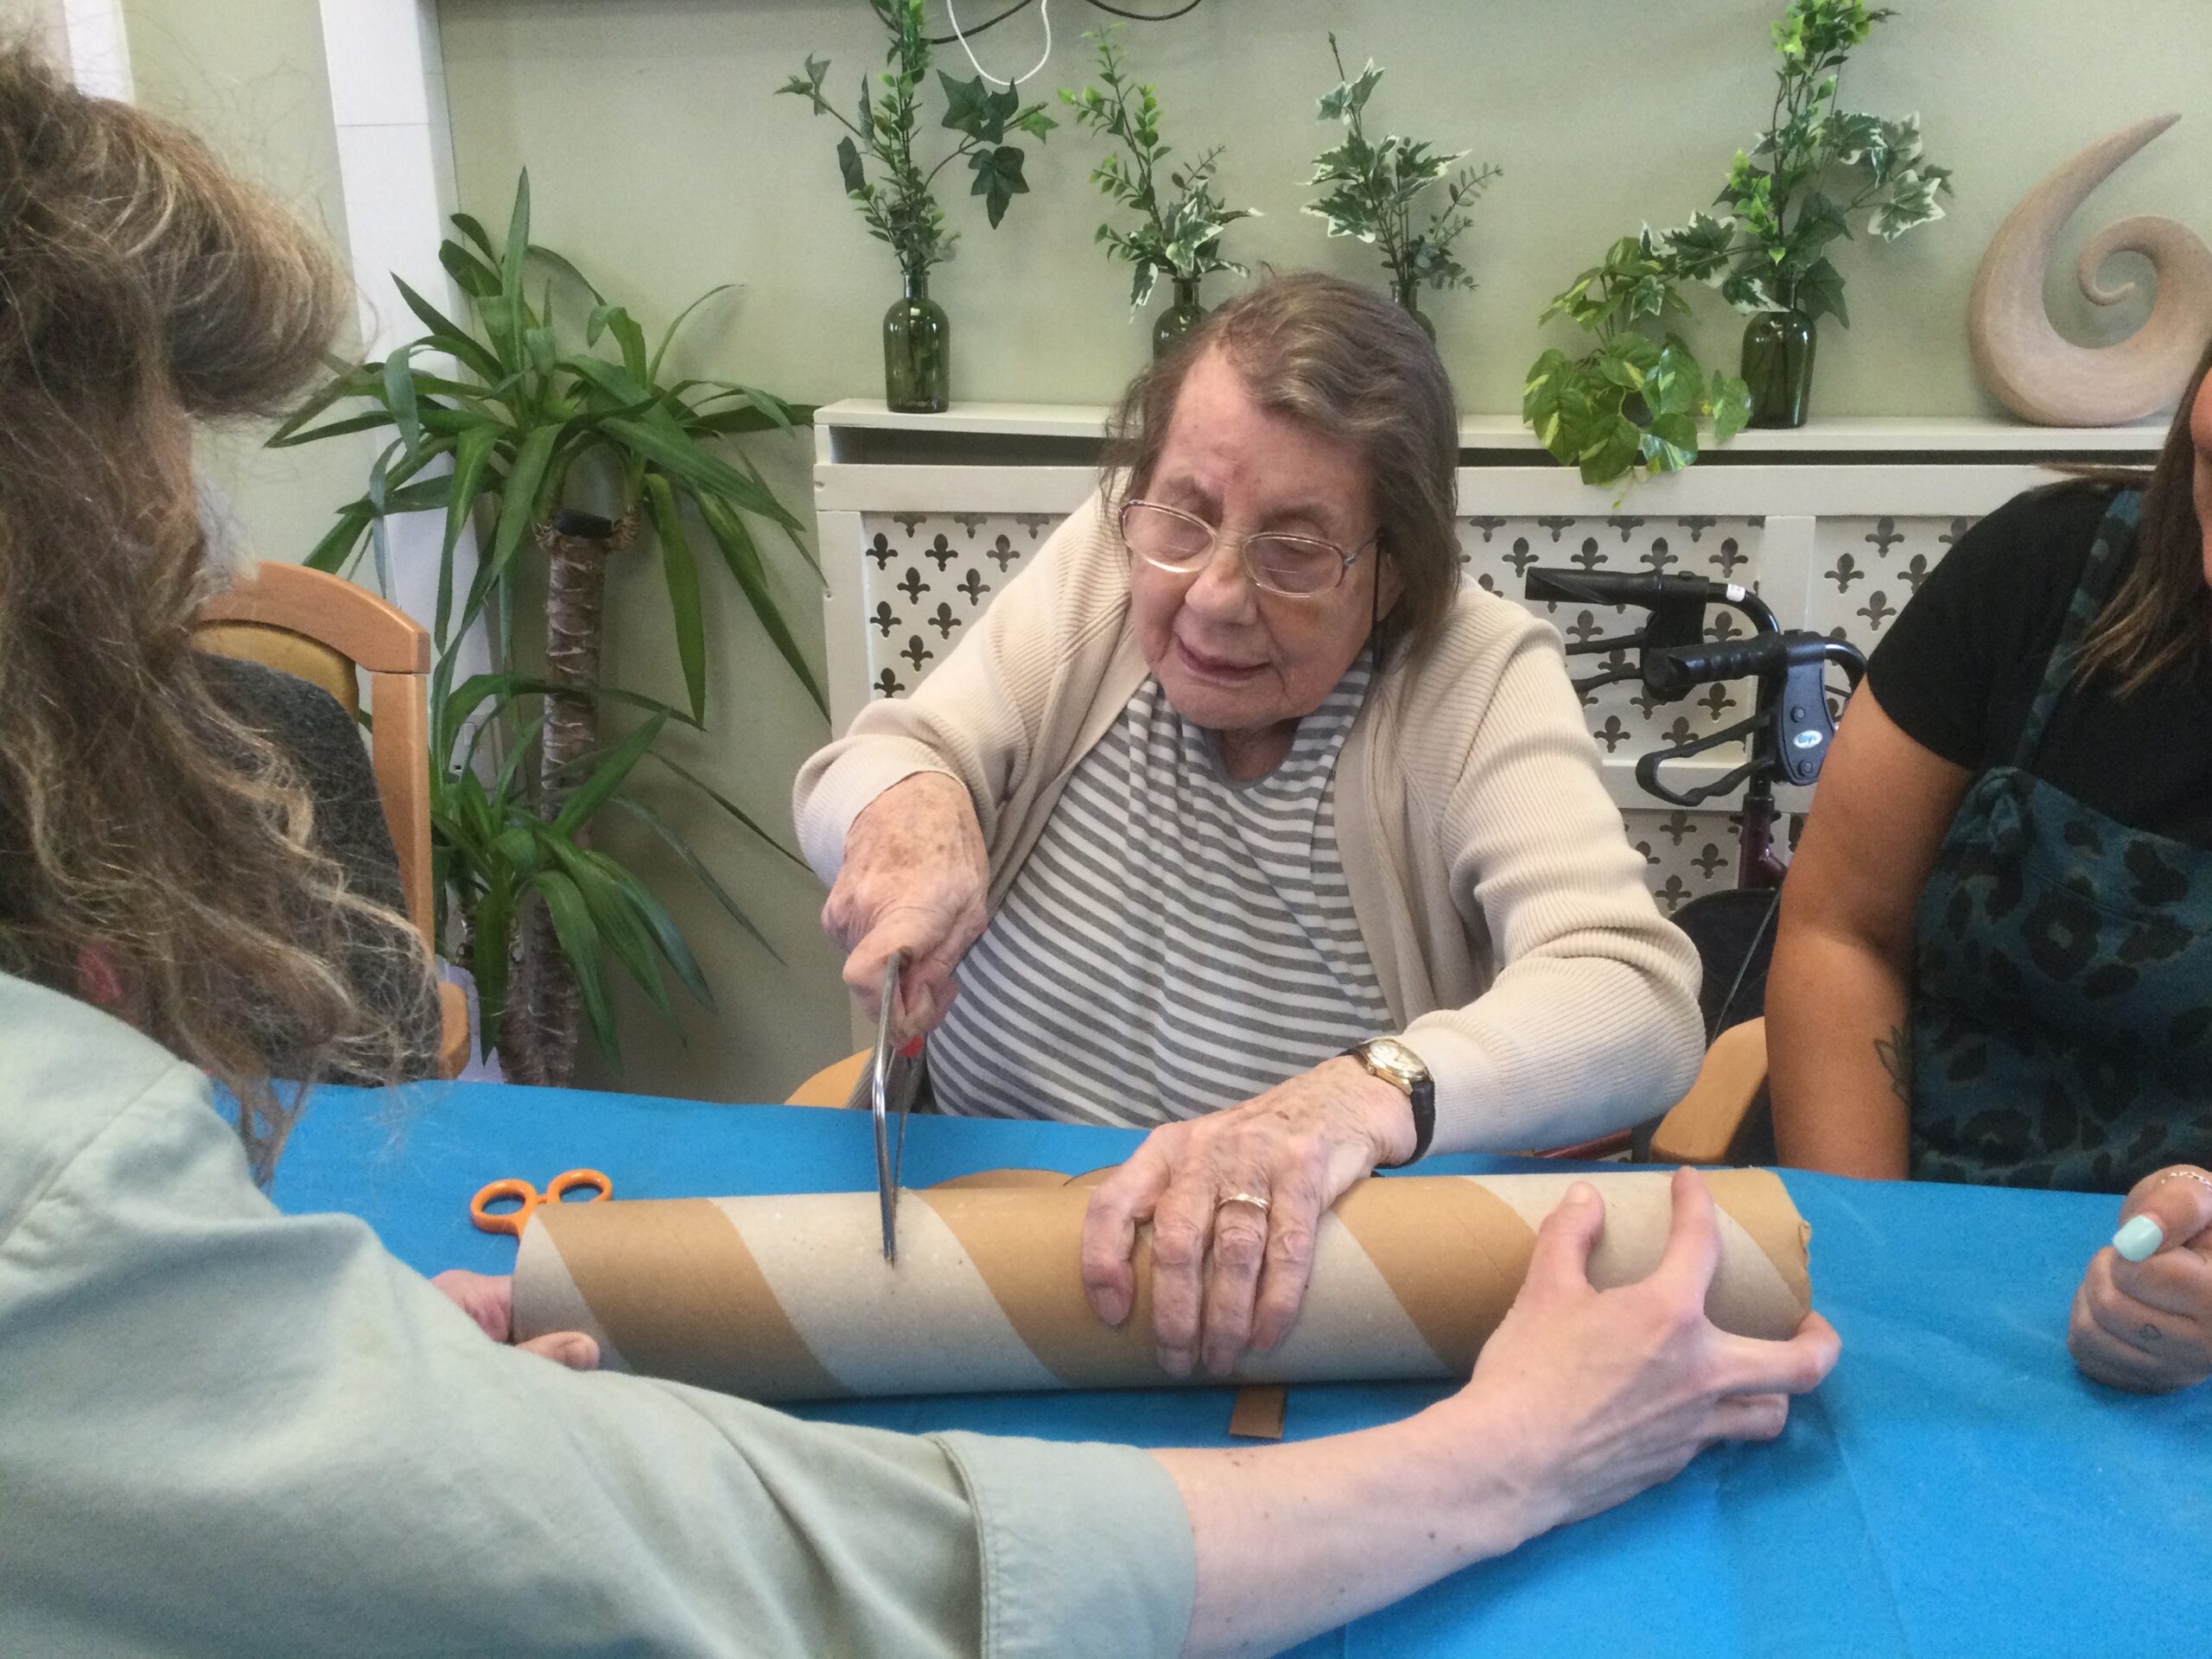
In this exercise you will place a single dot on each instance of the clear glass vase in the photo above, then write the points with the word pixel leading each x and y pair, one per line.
pixel 1180 318
pixel 916 352
pixel 1777 366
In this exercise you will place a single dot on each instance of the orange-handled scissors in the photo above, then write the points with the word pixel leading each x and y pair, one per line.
pixel 528 1197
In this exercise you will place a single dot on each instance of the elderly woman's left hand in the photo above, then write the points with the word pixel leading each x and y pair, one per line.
pixel 2146 1326
pixel 1226 1273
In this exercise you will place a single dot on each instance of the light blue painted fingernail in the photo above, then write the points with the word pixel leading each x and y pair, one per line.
pixel 2139 1240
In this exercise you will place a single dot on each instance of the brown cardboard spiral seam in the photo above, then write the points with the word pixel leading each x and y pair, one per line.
pixel 788 1297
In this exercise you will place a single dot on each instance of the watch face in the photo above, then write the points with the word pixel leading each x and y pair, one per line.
pixel 1392 1056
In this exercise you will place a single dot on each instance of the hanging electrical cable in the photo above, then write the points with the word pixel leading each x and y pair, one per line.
pixel 996 18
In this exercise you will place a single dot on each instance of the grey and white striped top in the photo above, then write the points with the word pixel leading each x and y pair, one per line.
pixel 1176 942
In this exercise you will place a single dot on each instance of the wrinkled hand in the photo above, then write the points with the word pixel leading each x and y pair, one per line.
pixel 490 1302
pixel 1224 1275
pixel 2146 1326
pixel 1600 1394
pixel 913 879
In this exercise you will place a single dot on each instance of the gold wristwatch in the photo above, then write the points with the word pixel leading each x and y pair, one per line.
pixel 1392 1061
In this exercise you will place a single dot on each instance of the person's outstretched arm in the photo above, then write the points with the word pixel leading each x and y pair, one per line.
pixel 1837 1031
pixel 1582 1399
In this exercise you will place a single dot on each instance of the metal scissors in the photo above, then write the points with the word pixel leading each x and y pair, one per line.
pixel 528 1197
pixel 893 1078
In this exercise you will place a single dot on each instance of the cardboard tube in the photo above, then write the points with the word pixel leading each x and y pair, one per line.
pixel 788 1298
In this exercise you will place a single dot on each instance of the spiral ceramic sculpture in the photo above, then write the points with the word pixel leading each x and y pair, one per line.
pixel 2037 372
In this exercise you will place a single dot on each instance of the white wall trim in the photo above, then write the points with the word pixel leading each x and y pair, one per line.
pixel 395 162
pixel 97 45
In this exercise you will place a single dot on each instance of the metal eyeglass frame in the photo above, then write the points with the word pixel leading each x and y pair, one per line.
pixel 1345 561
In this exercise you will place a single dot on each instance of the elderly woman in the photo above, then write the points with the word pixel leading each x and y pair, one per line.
pixel 1994 957
pixel 1237 814
pixel 232 1431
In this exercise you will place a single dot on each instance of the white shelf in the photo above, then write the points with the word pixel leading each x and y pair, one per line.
pixel 1881 435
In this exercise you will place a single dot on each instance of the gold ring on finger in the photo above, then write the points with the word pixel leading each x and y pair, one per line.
pixel 1252 1198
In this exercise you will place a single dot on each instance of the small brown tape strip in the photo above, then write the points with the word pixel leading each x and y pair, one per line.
pixel 1258 1413
pixel 1455 1254
pixel 646 1267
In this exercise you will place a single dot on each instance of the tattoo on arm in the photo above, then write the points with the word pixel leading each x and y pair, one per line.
pixel 1895 1052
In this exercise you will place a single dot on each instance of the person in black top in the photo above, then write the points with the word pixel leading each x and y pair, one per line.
pixel 1994 957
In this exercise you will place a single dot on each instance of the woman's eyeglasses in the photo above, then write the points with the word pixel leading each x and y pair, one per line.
pixel 1297 567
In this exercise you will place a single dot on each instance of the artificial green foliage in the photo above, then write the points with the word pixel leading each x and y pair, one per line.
pixel 1816 171
pixel 1376 188
pixel 899 204
pixel 526 423
pixel 1179 237
pixel 1634 401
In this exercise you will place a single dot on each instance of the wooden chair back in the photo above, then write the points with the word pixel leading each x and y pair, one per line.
pixel 328 632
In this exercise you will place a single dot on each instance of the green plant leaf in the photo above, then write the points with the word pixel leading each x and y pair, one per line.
pixel 472 457
pixel 517 249
pixel 472 227
pixel 492 923
pixel 1820 293
pixel 364 382
pixel 654 914
pixel 1670 444
pixel 580 944
pixel 681 572
pixel 618 926
pixel 448 336
pixel 676 844
pixel 669 448
pixel 369 422
pixel 850 168
pixel 1730 401
pixel 399 398
pixel 1674 386
pixel 738 552
pixel 998 180
pixel 660 352
pixel 340 539
pixel 1611 452
pixel 1555 402
pixel 518 513
pixel 728 805
pixel 593 792
pixel 470 275
pixel 1626 358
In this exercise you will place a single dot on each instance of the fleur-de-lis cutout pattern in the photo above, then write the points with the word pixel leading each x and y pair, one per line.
pixel 1869 568
pixel 926 577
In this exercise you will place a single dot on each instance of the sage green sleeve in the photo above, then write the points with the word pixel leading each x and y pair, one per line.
pixel 229 1432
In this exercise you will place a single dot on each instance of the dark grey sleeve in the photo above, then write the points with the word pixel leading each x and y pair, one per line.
pixel 324 743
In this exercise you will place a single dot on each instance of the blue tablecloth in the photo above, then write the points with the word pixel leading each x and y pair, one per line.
pixel 1955 1488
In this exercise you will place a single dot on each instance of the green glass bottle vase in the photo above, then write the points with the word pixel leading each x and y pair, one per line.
pixel 1778 367
pixel 1408 293
pixel 916 352
pixel 1180 318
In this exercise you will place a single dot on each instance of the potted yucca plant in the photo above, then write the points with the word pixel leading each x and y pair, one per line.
pixel 573 456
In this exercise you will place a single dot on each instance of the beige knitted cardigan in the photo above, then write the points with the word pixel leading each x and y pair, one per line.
pixel 1516 944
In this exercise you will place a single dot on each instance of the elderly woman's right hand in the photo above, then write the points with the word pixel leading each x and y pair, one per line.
pixel 913 879
pixel 1600 1393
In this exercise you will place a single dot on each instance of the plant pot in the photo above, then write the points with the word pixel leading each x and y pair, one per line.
pixel 1407 294
pixel 917 352
pixel 1778 367
pixel 1179 319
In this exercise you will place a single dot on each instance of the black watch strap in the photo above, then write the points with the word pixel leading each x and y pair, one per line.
pixel 1421 1097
